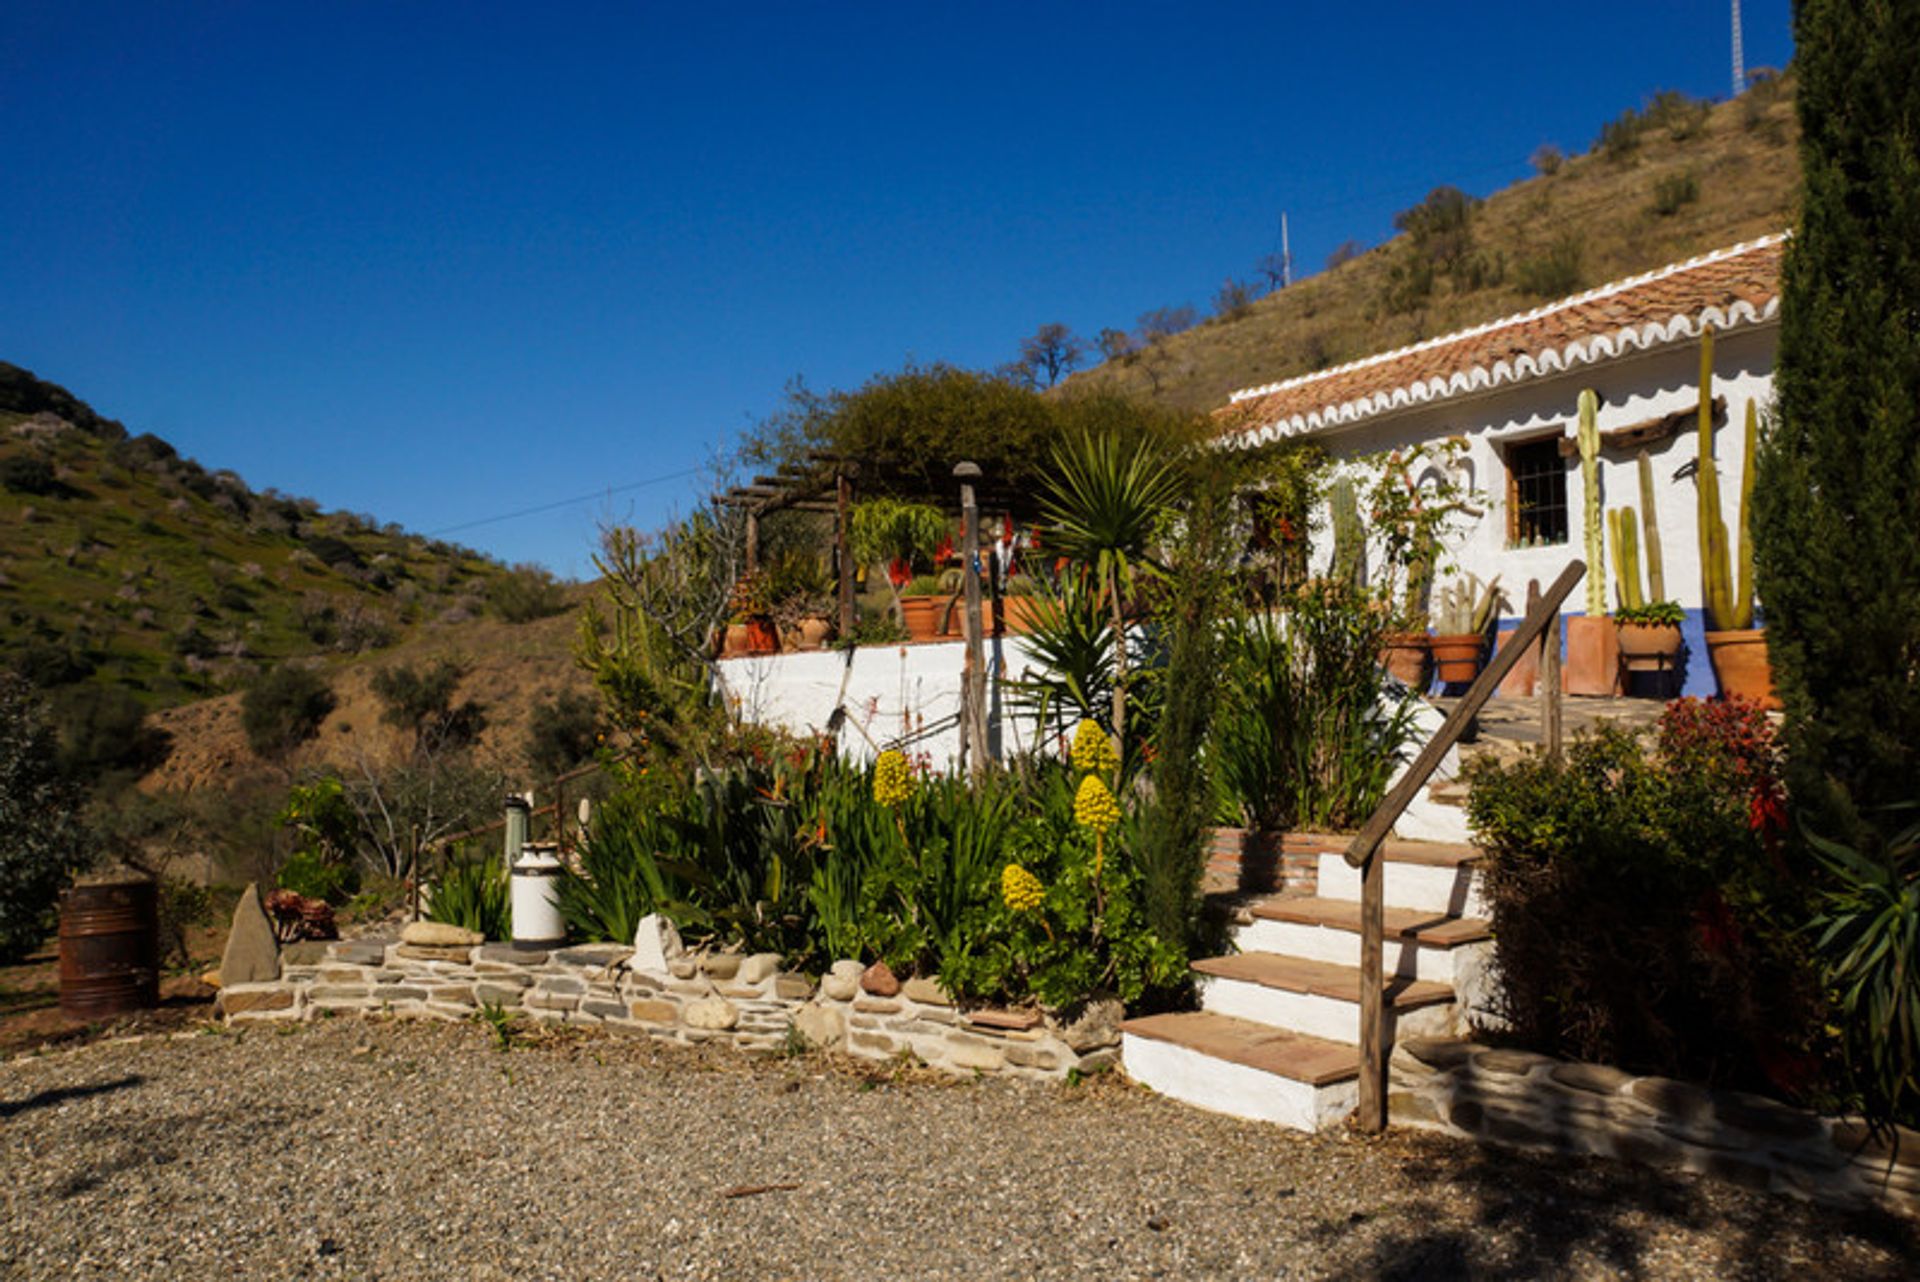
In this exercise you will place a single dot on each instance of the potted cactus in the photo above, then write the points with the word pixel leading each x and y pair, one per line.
pixel 1593 646
pixel 1460 619
pixel 1647 623
pixel 1737 649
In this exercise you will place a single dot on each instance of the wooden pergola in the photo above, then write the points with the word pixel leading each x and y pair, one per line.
pixel 827 483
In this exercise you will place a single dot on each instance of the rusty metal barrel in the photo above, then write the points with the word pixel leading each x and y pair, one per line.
pixel 109 947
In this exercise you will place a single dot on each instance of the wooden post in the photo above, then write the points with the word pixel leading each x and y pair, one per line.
pixel 842 553
pixel 1549 679
pixel 753 539
pixel 973 716
pixel 1364 852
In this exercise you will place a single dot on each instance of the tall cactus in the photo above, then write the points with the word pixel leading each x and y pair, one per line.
pixel 1650 523
pixel 1349 537
pixel 1729 604
pixel 1590 488
pixel 1626 558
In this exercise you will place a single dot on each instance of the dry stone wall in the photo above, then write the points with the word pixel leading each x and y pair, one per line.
pixel 747 1001
pixel 1518 1099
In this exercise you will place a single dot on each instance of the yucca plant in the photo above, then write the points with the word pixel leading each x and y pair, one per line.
pixel 1868 940
pixel 1102 506
pixel 473 893
pixel 1070 634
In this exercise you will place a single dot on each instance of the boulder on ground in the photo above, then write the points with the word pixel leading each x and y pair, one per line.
pixel 655 943
pixel 440 934
pixel 253 953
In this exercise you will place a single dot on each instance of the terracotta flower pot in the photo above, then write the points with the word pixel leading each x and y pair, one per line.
pixel 1740 665
pixel 1409 657
pixel 922 616
pixel 1593 655
pixel 736 641
pixel 762 636
pixel 1648 646
pixel 1456 656
pixel 814 633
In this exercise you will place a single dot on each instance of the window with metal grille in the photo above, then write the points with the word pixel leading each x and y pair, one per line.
pixel 1536 494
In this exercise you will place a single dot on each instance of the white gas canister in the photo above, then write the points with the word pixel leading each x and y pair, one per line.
pixel 536 897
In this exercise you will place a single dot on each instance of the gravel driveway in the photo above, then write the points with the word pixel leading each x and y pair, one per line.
pixel 363 1149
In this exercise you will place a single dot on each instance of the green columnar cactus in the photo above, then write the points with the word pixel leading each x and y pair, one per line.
pixel 1626 558
pixel 1590 487
pixel 1729 603
pixel 1349 537
pixel 1650 523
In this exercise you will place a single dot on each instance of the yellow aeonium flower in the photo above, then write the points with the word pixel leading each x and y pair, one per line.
pixel 1093 749
pixel 892 781
pixel 1021 889
pixel 1094 806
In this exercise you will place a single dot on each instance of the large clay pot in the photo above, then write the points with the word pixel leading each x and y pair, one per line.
pixel 736 641
pixel 922 616
pixel 1593 655
pixel 762 636
pixel 1456 656
pixel 1409 656
pixel 1648 647
pixel 1740 665
pixel 814 633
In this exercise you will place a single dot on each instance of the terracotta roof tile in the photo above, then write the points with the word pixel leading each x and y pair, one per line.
pixel 1725 289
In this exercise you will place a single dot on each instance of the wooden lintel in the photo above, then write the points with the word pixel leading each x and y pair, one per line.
pixel 1635 436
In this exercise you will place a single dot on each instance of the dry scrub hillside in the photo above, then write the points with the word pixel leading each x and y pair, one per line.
pixel 1666 183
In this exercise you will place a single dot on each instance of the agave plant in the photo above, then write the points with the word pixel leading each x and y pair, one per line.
pixel 1102 507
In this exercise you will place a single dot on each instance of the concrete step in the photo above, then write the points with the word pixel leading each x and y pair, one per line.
pixel 1318 998
pixel 1420 945
pixel 1242 1069
pixel 1429 878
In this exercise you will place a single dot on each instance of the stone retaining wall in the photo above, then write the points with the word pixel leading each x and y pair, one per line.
pixel 746 1001
pixel 1521 1100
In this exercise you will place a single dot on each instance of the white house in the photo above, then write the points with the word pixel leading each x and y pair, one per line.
pixel 1509 387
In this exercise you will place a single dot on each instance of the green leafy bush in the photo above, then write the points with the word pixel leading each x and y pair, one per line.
pixel 1555 272
pixel 28 474
pixel 525 593
pixel 562 734
pixel 284 709
pixel 474 893
pixel 1673 192
pixel 1643 913
pixel 40 812
pixel 312 876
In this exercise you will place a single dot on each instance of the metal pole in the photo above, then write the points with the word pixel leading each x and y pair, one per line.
pixel 973 724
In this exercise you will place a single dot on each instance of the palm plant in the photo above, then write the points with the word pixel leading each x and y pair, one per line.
pixel 1102 506
pixel 1068 632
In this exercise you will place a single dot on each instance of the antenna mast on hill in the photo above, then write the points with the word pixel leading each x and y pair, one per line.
pixel 1286 254
pixel 1739 57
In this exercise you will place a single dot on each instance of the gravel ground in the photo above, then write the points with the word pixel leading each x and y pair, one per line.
pixel 363 1149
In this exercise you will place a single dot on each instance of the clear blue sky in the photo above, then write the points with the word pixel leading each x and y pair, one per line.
pixel 440 262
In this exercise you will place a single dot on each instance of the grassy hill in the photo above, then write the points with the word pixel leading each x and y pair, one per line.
pixel 124 564
pixel 1674 179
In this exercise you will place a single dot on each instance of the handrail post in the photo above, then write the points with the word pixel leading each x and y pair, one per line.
pixel 1364 852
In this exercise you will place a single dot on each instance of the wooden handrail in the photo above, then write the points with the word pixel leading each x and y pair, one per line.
pixel 1364 852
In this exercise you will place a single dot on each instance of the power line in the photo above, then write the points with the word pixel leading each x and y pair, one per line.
pixel 560 503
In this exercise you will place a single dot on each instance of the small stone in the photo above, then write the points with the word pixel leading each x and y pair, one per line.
pixel 232 1003
pixel 306 952
pixel 758 968
pixel 842 982
pixel 509 955
pixel 977 1056
pixel 434 952
pixel 1509 1063
pixel 1597 1079
pixel 681 968
pixel 720 965
pixel 880 980
pixel 821 1027
pixel 714 1013
pixel 867 1006
pixel 497 995
pixel 1899 1147
pixel 440 934
pixel 1011 1020
pixel 340 992
pixel 400 993
pixel 253 954
pixel 1407 1108
pixel 790 987
pixel 1438 1052
pixel 538 1000
pixel 653 1011
pixel 601 1009
pixel 1096 1026
pixel 1679 1100
pixel 358 952
pixel 655 943
pixel 561 984
pixel 457 994
pixel 600 955
pixel 1762 1116
pixel 1031 1057
pixel 928 992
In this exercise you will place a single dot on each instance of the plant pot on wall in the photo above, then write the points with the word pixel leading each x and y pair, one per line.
pixel 1409 657
pixel 735 642
pixel 762 636
pixel 1741 666
pixel 1593 655
pixel 921 614
pixel 1648 647
pixel 814 633
pixel 1456 657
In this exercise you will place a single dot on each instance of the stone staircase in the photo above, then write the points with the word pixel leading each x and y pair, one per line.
pixel 1277 1036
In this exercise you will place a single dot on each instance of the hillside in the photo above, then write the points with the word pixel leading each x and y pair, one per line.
pixel 1675 179
pixel 123 564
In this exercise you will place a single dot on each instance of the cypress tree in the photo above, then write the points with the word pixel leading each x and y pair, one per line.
pixel 1836 520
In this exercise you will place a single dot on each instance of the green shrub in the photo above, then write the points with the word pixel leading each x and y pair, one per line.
pixel 312 875
pixel 1553 273
pixel 183 905
pixel 284 709
pixel 28 474
pixel 525 593
pixel 1674 191
pixel 40 813
pixel 1642 914
pixel 1620 137
pixel 475 894
pixel 562 734
pixel 421 701
pixel 103 731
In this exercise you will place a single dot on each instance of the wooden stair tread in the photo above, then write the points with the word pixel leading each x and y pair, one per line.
pixel 1296 1056
pixel 1397 850
pixel 1437 930
pixel 1321 979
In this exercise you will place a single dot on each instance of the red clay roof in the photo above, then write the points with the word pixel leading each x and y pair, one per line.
pixel 1725 289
